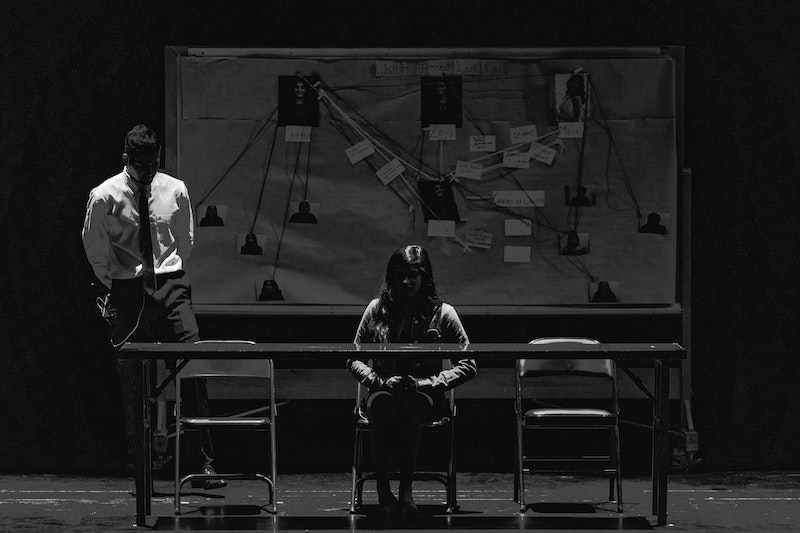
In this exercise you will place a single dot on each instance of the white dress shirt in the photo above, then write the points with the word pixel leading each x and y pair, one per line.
pixel 111 228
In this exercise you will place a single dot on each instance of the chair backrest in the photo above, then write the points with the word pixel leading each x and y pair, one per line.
pixel 211 368
pixel 589 367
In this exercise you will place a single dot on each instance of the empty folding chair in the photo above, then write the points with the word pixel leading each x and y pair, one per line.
pixel 542 422
pixel 261 420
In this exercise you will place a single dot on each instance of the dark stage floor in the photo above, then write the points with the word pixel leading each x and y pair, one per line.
pixel 742 501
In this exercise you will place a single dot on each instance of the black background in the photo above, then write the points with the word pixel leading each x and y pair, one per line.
pixel 76 75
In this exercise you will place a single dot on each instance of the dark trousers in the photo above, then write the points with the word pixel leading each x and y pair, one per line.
pixel 395 432
pixel 164 316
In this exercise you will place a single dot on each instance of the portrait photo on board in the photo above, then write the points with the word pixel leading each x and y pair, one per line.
pixel 580 196
pixel 268 290
pixel 297 102
pixel 569 97
pixel 573 243
pixel 655 223
pixel 304 213
pixel 250 244
pixel 437 200
pixel 212 215
pixel 604 291
pixel 440 100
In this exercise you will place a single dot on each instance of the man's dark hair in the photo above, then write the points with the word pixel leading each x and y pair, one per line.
pixel 141 140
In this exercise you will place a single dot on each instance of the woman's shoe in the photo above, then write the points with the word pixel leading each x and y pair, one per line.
pixel 209 484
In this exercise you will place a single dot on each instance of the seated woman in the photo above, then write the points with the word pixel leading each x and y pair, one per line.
pixel 405 392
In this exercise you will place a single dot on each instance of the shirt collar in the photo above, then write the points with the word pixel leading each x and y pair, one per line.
pixel 134 184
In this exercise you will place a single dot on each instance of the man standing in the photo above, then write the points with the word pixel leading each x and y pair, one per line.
pixel 138 235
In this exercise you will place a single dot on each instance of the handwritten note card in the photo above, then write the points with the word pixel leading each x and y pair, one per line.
pixel 400 68
pixel 298 134
pixel 542 153
pixel 437 67
pixel 523 134
pixel 516 160
pixel 441 228
pixel 359 151
pixel 390 171
pixel 517 254
pixel 570 130
pixel 442 132
pixel 516 227
pixel 482 143
pixel 479 238
pixel 465 169
pixel 481 67
pixel 518 198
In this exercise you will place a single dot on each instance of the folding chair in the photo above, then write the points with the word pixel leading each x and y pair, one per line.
pixel 262 372
pixel 441 426
pixel 547 420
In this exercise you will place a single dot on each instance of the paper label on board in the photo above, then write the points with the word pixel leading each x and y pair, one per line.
pixel 570 130
pixel 523 134
pixel 517 254
pixel 482 143
pixel 518 198
pixel 390 171
pixel 359 151
pixel 542 153
pixel 479 238
pixel 516 160
pixel 441 228
pixel 441 67
pixel 298 134
pixel 442 132
pixel 465 169
pixel 516 227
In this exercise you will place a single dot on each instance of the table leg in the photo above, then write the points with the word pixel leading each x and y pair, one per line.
pixel 140 477
pixel 661 455
pixel 148 440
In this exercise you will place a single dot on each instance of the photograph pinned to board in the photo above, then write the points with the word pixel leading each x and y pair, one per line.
pixel 268 290
pixel 248 244
pixel 583 196
pixel 438 202
pixel 297 101
pixel 604 291
pixel 573 243
pixel 655 223
pixel 215 215
pixel 304 213
pixel 440 100
pixel 570 97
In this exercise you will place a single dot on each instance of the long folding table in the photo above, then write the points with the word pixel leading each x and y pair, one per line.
pixel 660 354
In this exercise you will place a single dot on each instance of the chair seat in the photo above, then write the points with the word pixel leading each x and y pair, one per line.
pixel 363 422
pixel 213 422
pixel 553 416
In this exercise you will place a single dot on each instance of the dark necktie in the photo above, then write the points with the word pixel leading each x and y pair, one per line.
pixel 146 242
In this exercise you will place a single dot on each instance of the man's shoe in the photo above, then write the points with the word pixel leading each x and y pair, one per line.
pixel 387 502
pixel 408 508
pixel 209 484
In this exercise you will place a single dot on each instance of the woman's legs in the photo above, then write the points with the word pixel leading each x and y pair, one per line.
pixel 395 432
pixel 410 410
pixel 382 420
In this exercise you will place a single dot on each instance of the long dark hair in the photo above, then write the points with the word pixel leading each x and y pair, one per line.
pixel 402 258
